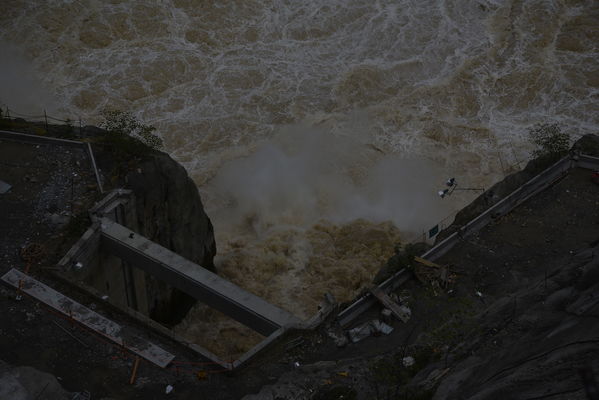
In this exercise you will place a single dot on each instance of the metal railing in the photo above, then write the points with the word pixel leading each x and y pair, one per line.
pixel 46 119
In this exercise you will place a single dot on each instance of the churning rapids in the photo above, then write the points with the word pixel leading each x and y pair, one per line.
pixel 318 131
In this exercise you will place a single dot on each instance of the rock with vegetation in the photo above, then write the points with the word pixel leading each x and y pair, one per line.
pixel 549 140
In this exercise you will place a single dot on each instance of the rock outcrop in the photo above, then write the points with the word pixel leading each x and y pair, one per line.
pixel 170 212
pixel 168 207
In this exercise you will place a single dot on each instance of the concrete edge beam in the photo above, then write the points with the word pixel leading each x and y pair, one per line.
pixel 243 306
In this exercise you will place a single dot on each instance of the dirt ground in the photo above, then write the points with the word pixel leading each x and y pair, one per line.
pixel 520 251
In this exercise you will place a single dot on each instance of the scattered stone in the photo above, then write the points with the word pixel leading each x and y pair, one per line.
pixel 169 388
pixel 408 361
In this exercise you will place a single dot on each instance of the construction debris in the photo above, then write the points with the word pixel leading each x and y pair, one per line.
pixel 360 332
pixel 373 327
pixel 386 315
pixel 438 276
pixel 381 327
pixel 339 338
pixel 401 312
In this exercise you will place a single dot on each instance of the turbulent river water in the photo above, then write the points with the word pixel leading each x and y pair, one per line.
pixel 318 131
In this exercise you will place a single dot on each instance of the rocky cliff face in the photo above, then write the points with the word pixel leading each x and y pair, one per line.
pixel 170 212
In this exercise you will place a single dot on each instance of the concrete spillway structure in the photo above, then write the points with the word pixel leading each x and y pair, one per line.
pixel 192 279
pixel 111 260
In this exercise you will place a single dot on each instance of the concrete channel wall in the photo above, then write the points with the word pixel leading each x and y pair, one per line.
pixel 520 195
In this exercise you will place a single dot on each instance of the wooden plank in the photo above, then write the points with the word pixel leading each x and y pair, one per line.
pixel 426 262
pixel 87 317
pixel 390 304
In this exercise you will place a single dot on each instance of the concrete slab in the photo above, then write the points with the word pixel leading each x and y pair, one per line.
pixel 194 280
pixel 87 317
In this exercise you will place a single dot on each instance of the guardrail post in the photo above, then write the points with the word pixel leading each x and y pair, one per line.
pixel 46 118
